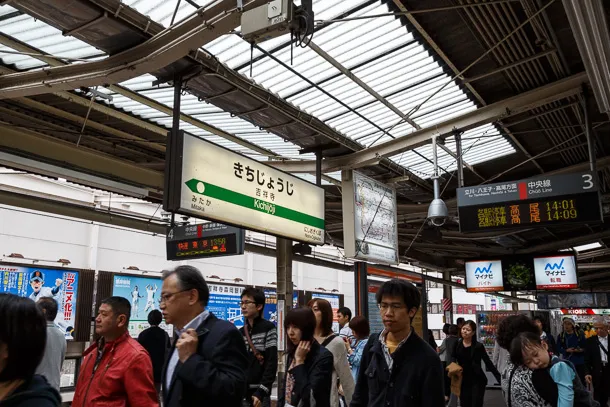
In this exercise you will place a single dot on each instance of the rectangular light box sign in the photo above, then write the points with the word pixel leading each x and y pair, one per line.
pixel 555 272
pixel 484 276
pixel 369 219
pixel 210 182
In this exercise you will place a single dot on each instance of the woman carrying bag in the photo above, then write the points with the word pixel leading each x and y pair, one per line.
pixel 469 354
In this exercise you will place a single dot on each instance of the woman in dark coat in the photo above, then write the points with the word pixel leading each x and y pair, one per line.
pixel 469 354
pixel 308 378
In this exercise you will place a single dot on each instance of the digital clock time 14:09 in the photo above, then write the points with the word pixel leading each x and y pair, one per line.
pixel 561 210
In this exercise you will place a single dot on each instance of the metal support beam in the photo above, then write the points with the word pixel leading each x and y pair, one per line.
pixel 448 294
pixel 361 83
pixel 564 244
pixel 176 107
pixel 464 164
pixel 588 129
pixel 319 168
pixel 456 71
pixel 201 27
pixel 64 154
pixel 506 108
pixel 284 293
pixel 15 44
pixel 509 66
pixel 460 159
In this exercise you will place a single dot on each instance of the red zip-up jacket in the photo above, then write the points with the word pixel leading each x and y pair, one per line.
pixel 122 377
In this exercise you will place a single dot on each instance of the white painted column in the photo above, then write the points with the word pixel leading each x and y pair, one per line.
pixel 94 238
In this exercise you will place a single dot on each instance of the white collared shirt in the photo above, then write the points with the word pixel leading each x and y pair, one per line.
pixel 604 342
pixel 173 360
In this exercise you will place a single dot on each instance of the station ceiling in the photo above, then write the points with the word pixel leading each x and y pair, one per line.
pixel 416 72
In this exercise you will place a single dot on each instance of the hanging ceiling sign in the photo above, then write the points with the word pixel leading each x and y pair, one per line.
pixel 541 201
pixel 204 240
pixel 555 272
pixel 210 182
pixel 369 219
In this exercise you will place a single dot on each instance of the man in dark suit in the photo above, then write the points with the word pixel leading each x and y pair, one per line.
pixel 596 362
pixel 208 364
pixel 156 342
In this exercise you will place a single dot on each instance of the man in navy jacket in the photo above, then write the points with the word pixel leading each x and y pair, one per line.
pixel 208 363
pixel 398 368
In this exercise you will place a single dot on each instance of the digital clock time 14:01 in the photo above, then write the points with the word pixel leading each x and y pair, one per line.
pixel 561 210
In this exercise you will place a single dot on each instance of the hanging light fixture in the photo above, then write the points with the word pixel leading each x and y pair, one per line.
pixel 437 211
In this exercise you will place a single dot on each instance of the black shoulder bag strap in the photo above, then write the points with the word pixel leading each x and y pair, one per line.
pixel 602 347
pixel 328 340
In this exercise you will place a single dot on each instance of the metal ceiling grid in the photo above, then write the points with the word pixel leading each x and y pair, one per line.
pixel 378 50
pixel 42 36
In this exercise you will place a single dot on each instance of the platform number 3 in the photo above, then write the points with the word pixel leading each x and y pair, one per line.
pixel 588 180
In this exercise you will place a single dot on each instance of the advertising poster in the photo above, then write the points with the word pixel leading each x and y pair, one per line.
pixel 224 303
pixel 334 303
pixel 555 272
pixel 143 294
pixel 484 276
pixel 36 283
pixel 270 311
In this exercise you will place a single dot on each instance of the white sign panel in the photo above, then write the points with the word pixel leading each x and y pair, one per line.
pixel 555 272
pixel 484 275
pixel 369 219
pixel 224 186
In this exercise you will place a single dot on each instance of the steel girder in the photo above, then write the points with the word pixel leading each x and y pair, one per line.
pixel 515 105
pixel 203 26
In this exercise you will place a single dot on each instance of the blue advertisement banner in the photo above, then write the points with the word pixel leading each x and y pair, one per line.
pixel 36 283
pixel 224 303
pixel 143 294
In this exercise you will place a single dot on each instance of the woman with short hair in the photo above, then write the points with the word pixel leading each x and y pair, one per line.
pixel 23 334
pixel 361 330
pixel 309 366
pixel 342 376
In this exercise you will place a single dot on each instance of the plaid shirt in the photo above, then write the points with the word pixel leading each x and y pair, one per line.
pixel 386 351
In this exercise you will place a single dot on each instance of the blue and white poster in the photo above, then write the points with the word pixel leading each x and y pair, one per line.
pixel 36 283
pixel 224 303
pixel 270 311
pixel 143 294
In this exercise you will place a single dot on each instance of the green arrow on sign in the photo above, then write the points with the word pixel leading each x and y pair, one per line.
pixel 236 198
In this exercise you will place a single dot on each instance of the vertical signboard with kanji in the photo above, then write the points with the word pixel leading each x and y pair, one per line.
pixel 210 182
pixel 38 282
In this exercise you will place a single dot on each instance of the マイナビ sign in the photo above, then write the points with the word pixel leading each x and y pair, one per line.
pixel 210 182
pixel 541 201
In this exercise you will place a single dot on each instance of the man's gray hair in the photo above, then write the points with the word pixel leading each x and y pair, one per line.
pixel 600 319
pixel 190 278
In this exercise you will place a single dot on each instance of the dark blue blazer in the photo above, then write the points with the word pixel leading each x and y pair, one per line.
pixel 214 376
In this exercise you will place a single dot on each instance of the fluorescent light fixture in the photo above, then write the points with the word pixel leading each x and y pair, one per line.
pixel 582 248
pixel 375 278
pixel 590 29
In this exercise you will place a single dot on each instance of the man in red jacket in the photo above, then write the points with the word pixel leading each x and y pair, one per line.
pixel 116 371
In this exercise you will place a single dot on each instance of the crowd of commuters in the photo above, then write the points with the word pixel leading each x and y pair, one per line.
pixel 209 362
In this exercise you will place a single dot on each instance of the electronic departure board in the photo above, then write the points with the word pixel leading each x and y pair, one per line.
pixel 204 240
pixel 570 198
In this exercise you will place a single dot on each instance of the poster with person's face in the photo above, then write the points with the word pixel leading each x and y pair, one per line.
pixel 143 293
pixel 39 282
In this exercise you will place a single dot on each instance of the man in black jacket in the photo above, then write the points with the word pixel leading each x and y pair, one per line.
pixel 156 342
pixel 260 337
pixel 398 368
pixel 207 366
pixel 597 370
